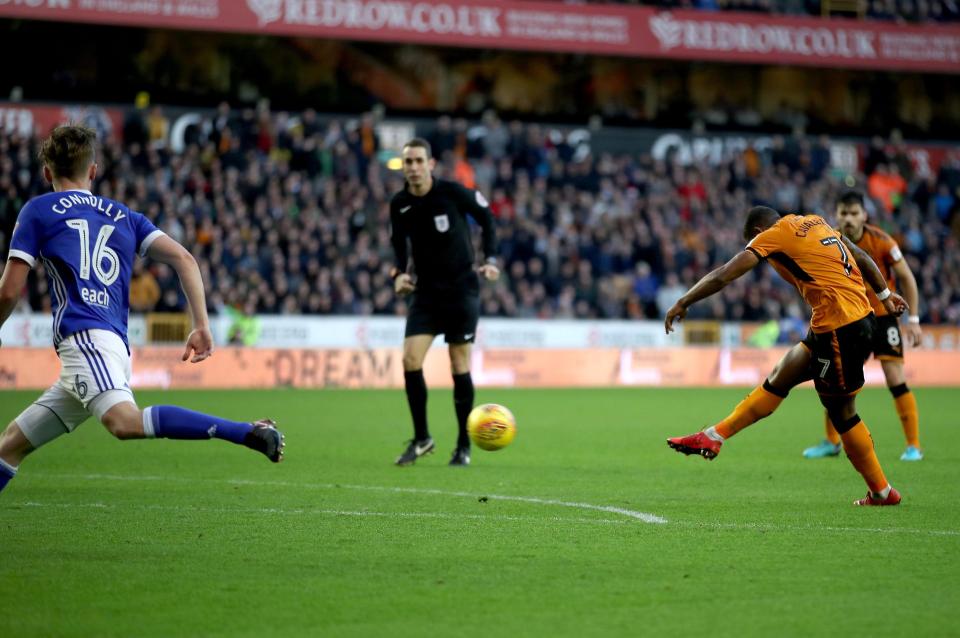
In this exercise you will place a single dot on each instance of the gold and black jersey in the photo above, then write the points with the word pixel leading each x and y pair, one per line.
pixel 884 250
pixel 809 254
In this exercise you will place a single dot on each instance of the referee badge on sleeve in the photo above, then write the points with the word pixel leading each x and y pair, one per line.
pixel 442 222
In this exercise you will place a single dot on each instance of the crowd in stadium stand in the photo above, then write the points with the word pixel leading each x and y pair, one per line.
pixel 918 11
pixel 290 214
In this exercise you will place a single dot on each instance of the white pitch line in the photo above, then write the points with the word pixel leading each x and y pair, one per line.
pixel 822 528
pixel 609 509
pixel 316 512
pixel 642 516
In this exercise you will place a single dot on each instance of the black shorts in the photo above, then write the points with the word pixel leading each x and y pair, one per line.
pixel 887 340
pixel 838 356
pixel 455 316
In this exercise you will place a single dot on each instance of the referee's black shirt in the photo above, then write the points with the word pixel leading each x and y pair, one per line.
pixel 439 234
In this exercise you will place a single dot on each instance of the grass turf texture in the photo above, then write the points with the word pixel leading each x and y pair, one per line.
pixel 209 539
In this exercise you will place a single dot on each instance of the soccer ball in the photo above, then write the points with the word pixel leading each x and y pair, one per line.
pixel 491 426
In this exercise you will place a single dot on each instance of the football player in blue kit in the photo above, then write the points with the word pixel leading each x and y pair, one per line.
pixel 87 245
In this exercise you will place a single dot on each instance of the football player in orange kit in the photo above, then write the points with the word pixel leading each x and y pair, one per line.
pixel 828 270
pixel 888 339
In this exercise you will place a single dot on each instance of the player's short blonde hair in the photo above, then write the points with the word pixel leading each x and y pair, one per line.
pixel 69 150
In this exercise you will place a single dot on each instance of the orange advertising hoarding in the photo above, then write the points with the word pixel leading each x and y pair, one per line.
pixel 157 367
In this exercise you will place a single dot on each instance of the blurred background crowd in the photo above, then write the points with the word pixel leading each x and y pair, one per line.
pixel 289 213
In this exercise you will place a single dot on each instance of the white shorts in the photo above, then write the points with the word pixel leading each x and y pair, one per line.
pixel 95 375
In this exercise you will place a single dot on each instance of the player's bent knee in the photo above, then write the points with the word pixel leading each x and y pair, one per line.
pixel 893 371
pixel 460 355
pixel 840 410
pixel 459 363
pixel 412 362
pixel 14 446
pixel 124 421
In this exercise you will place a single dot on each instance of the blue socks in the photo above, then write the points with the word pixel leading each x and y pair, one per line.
pixel 171 422
pixel 7 472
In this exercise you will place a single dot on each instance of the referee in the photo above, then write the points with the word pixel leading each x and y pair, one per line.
pixel 432 214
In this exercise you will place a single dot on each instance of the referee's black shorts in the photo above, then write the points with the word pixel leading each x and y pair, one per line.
pixel 453 315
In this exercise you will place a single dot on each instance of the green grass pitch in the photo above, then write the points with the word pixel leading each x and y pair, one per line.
pixel 168 538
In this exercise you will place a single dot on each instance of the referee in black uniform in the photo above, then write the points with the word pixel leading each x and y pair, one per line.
pixel 432 214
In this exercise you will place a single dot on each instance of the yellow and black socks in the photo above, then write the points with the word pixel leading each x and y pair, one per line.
pixel 858 444
pixel 832 435
pixel 906 405
pixel 759 404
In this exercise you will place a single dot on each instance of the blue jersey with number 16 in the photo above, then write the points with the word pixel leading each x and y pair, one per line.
pixel 87 245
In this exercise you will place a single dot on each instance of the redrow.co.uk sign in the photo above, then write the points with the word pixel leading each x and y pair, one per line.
pixel 548 26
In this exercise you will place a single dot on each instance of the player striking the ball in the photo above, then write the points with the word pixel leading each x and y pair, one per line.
pixel 87 245
pixel 888 339
pixel 828 270
pixel 432 214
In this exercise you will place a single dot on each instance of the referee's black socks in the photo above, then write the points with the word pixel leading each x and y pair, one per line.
pixel 463 402
pixel 417 400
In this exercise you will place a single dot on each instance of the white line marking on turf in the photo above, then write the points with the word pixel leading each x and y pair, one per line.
pixel 821 528
pixel 319 512
pixel 640 516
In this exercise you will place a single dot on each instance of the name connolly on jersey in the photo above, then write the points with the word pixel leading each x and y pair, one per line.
pixel 73 199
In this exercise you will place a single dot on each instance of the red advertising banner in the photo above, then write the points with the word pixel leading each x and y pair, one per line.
pixel 159 367
pixel 597 29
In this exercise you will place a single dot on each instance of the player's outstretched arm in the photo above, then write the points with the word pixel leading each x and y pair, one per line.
pixel 912 296
pixel 200 342
pixel 11 286
pixel 894 303
pixel 713 282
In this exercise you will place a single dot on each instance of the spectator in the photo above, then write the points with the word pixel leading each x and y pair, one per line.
pixel 144 289
pixel 282 217
pixel 887 186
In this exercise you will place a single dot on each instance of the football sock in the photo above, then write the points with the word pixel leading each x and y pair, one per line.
pixel 858 444
pixel 759 404
pixel 172 422
pixel 907 410
pixel 417 400
pixel 7 472
pixel 712 434
pixel 832 435
pixel 463 403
